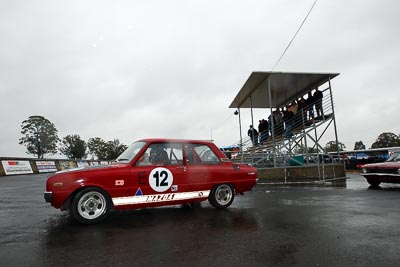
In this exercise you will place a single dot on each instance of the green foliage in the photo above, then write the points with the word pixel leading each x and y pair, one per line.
pixel 40 136
pixel 386 140
pixel 73 147
pixel 115 148
pixel 359 145
pixel 105 150
pixel 300 150
pixel 98 148
pixel 332 147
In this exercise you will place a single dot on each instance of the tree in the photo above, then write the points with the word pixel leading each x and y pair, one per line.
pixel 386 140
pixel 332 147
pixel 40 136
pixel 359 145
pixel 300 150
pixel 98 147
pixel 114 149
pixel 73 147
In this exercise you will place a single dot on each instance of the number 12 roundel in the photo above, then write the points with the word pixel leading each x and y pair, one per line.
pixel 160 179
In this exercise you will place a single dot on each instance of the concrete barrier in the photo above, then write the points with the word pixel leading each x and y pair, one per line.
pixel 299 174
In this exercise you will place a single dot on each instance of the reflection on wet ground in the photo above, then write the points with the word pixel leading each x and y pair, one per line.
pixel 273 225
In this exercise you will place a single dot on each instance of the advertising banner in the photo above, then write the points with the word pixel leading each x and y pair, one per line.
pixel 104 162
pixel 64 165
pixel 82 164
pixel 46 166
pixel 16 167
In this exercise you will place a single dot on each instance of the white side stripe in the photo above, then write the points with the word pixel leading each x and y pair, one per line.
pixel 119 201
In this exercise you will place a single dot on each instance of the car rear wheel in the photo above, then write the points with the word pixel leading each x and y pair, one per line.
pixel 90 205
pixel 373 182
pixel 221 196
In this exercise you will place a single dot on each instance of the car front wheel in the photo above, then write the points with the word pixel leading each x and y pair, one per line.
pixel 90 205
pixel 221 196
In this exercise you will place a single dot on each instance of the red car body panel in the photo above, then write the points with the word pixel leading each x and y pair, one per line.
pixel 384 172
pixel 129 186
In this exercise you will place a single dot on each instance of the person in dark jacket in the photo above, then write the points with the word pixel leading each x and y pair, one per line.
pixel 263 129
pixel 253 135
pixel 318 102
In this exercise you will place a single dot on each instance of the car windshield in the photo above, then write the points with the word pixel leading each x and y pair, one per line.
pixel 131 152
pixel 395 157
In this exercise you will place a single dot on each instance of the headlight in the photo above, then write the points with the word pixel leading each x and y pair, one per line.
pixel 363 170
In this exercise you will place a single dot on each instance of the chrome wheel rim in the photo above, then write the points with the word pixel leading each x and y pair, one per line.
pixel 223 194
pixel 92 205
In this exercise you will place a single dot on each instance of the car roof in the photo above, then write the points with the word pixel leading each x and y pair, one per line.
pixel 171 140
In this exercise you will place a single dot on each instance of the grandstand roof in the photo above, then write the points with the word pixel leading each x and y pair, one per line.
pixel 285 87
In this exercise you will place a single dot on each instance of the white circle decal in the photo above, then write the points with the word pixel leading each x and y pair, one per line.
pixel 160 179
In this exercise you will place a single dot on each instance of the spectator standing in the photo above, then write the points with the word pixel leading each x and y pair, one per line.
pixel 288 117
pixel 303 106
pixel 318 102
pixel 278 121
pixel 263 129
pixel 310 106
pixel 253 135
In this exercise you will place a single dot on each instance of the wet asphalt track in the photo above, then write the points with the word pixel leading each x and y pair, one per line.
pixel 272 226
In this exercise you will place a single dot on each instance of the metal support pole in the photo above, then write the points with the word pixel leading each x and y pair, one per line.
pixel 251 111
pixel 272 121
pixel 241 139
pixel 334 118
pixel 305 137
pixel 316 145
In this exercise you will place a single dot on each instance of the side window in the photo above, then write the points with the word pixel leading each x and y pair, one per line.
pixel 160 154
pixel 200 155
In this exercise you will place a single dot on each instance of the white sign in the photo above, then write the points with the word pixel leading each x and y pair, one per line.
pixel 16 167
pixel 160 179
pixel 82 164
pixel 46 166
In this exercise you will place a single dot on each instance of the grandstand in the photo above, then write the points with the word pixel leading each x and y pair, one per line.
pixel 281 156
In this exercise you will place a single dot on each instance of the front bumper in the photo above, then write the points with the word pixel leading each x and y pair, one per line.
pixel 48 196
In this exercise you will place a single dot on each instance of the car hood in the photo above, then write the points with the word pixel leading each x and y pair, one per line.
pixel 383 165
pixel 91 168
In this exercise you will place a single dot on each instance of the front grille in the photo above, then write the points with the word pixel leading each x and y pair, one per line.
pixel 392 171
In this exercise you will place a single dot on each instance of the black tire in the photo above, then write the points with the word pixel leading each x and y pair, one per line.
pixel 221 196
pixel 90 205
pixel 373 182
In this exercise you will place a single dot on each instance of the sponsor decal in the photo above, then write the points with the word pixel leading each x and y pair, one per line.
pixel 119 182
pixel 174 188
pixel 139 192
pixel 16 167
pixel 143 199
pixel 46 166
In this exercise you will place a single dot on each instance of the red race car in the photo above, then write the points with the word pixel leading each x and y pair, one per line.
pixel 383 172
pixel 151 173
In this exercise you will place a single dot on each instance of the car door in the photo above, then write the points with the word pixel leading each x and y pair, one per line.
pixel 204 168
pixel 158 174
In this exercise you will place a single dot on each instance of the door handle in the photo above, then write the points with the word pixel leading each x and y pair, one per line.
pixel 181 168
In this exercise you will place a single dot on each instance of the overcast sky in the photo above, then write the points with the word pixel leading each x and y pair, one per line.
pixel 139 69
